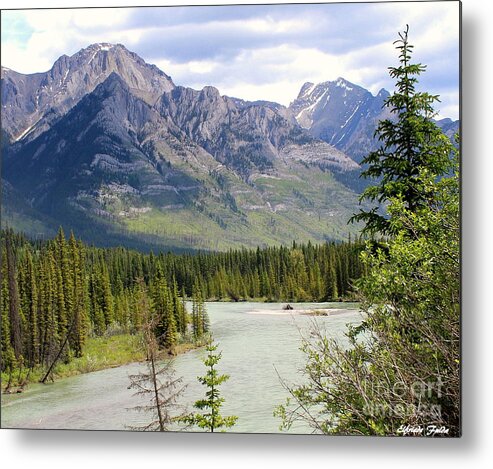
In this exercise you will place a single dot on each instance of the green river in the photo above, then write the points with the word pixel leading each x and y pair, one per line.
pixel 256 339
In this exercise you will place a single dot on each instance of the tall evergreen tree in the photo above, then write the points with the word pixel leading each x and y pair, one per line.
pixel 411 142
pixel 7 351
pixel 30 309
pixel 163 311
pixel 200 318
pixel 47 308
pixel 15 313
pixel 78 327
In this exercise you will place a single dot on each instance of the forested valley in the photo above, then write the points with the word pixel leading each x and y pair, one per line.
pixel 57 294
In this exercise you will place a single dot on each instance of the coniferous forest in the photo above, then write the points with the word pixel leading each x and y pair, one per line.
pixel 57 293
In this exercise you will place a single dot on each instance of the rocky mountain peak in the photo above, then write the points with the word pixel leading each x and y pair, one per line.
pixel 330 108
pixel 383 94
pixel 346 115
pixel 306 89
pixel 30 97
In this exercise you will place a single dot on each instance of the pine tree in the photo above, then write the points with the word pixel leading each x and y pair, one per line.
pixel 196 312
pixel 7 351
pixel 186 317
pixel 106 296
pixel 47 308
pixel 141 306
pixel 158 385
pixel 15 313
pixel 200 318
pixel 179 310
pixel 162 310
pixel 210 418
pixel 29 300
pixel 96 311
pixel 411 142
pixel 66 278
pixel 204 318
pixel 59 290
pixel 78 329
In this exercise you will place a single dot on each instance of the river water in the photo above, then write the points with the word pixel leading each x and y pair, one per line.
pixel 254 341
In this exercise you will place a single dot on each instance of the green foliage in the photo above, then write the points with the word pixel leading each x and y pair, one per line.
pixel 401 366
pixel 402 363
pixel 200 318
pixel 411 141
pixel 163 312
pixel 210 418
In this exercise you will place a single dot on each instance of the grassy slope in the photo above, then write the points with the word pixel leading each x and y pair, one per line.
pixel 271 210
pixel 99 353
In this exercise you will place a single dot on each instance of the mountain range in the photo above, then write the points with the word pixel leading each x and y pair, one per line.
pixel 107 145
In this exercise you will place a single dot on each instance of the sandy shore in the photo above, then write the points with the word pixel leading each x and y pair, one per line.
pixel 303 312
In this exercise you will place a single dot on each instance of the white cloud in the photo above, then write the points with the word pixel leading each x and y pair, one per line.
pixel 57 32
pixel 266 56
pixel 276 92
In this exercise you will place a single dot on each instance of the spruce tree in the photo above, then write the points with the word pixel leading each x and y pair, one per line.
pixel 59 290
pixel 47 311
pixel 30 310
pixel 96 311
pixel 78 329
pixel 210 417
pixel 411 142
pixel 163 311
pixel 7 351
pixel 179 309
pixel 15 313
pixel 141 306
pixel 106 296
pixel 197 303
pixel 66 279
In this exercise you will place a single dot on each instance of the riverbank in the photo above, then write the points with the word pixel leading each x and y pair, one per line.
pixel 99 353
pixel 256 350
pixel 264 299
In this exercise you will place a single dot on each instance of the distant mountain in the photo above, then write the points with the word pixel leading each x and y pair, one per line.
pixel 449 127
pixel 341 113
pixel 346 115
pixel 107 145
pixel 124 161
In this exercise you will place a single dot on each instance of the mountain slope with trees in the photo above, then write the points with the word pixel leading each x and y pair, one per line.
pixel 108 146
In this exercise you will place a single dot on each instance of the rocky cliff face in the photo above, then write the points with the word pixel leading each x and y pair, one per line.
pixel 346 115
pixel 244 136
pixel 31 103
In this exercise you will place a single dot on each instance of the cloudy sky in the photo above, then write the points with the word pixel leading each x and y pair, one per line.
pixel 253 52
